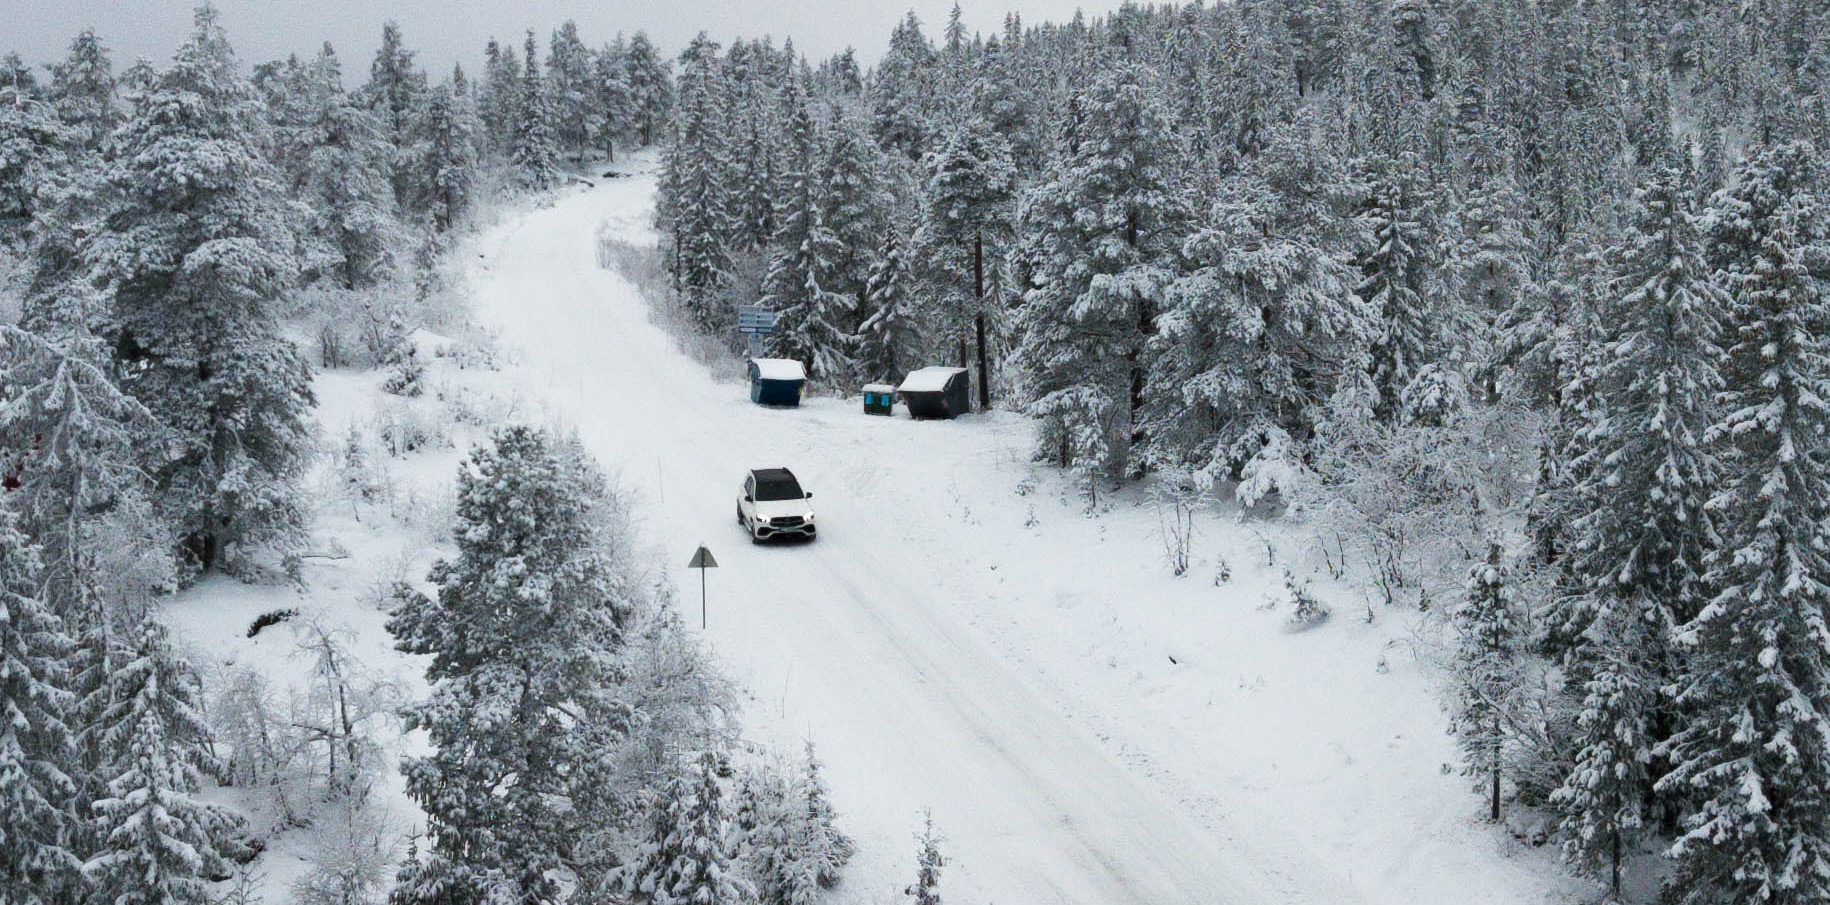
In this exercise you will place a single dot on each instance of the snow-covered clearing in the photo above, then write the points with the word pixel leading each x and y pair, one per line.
pixel 1085 727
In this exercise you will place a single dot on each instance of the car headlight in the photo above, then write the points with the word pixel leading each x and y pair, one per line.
pixel 809 516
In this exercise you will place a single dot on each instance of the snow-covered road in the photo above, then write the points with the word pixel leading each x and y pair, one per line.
pixel 845 641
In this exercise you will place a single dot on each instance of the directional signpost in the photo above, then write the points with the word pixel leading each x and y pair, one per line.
pixel 702 560
pixel 755 322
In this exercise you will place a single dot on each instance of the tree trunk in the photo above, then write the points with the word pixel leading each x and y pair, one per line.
pixel 1614 867
pixel 978 296
pixel 1494 779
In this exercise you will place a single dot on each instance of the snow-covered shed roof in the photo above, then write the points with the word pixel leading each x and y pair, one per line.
pixel 881 389
pixel 779 369
pixel 929 380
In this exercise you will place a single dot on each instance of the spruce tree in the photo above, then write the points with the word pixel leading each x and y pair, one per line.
pixel 805 282
pixel 571 95
pixel 822 849
pixel 158 843
pixel 396 87
pixel 889 339
pixel 499 98
pixel 1097 230
pixel 651 93
pixel 612 97
pixel 533 154
pixel 34 152
pixel 1402 281
pixel 1601 804
pixel 83 90
pixel 37 795
pixel 901 93
pixel 928 862
pixel 443 159
pixel 346 174
pixel 1643 529
pixel 1486 672
pixel 521 635
pixel 1754 752
pixel 967 228
pixel 693 210
pixel 193 254
pixel 73 432
pixel 687 858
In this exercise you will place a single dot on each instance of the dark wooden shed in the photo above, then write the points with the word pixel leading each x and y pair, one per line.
pixel 776 381
pixel 937 392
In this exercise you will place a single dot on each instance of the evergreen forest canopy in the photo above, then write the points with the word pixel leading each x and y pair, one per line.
pixel 1529 292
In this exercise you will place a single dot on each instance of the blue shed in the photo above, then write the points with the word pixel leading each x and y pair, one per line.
pixel 776 381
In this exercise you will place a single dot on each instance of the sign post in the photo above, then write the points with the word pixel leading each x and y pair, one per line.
pixel 755 322
pixel 702 560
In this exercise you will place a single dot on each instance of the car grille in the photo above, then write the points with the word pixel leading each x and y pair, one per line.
pixel 786 521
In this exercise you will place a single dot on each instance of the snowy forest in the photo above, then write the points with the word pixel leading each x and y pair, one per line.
pixel 1512 306
pixel 1519 304
pixel 182 246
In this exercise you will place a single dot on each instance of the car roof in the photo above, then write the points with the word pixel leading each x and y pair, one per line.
pixel 772 474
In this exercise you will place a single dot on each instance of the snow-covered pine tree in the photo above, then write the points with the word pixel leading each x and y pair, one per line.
pixel 533 154
pixel 1642 529
pixel 571 92
pixel 521 636
pixel 901 92
pixel 756 148
pixel 82 90
pixel 687 858
pixel 1754 750
pixel 1259 334
pixel 82 496
pixel 158 843
pixel 823 849
pixel 396 86
pixel 348 177
pixel 611 96
pixel 1486 671
pixel 651 90
pixel 966 229
pixel 34 151
pixel 194 257
pixel 889 339
pixel 804 283
pixel 1097 232
pixel 692 208
pixel 1602 803
pixel 72 431
pixel 1403 279
pixel 37 796
pixel 1491 261
pixel 928 862
pixel 442 162
pixel 498 99
pixel 853 198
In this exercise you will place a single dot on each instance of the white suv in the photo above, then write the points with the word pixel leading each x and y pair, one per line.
pixel 772 504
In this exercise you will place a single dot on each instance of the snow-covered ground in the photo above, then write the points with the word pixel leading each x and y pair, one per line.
pixel 1085 727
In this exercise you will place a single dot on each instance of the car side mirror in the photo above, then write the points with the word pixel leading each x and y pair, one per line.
pixel 747 499
pixel 809 495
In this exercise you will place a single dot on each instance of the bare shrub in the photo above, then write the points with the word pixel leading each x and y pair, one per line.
pixel 642 266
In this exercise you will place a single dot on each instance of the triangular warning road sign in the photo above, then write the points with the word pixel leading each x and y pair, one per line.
pixel 703 559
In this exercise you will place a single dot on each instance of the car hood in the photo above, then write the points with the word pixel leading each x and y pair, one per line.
pixel 780 508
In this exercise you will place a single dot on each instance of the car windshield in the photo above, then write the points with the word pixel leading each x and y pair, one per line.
pixel 773 489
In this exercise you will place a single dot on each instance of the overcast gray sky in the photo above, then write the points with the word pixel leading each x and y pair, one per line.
pixel 447 31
